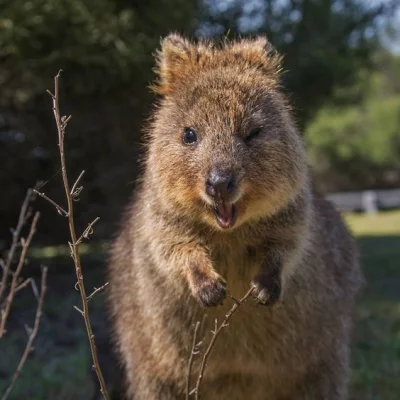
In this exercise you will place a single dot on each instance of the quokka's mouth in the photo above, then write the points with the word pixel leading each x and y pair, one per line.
pixel 225 214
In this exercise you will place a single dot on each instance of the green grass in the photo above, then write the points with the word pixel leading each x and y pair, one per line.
pixel 376 351
pixel 59 368
pixel 381 224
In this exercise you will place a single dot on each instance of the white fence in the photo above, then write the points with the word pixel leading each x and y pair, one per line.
pixel 369 201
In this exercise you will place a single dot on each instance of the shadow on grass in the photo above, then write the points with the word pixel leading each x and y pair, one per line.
pixel 376 352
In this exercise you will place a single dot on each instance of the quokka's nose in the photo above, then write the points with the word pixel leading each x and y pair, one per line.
pixel 221 184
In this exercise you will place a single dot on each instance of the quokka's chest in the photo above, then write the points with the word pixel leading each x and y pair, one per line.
pixel 237 265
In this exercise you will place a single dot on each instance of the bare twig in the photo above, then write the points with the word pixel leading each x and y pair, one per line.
pixel 193 352
pixel 17 284
pixel 23 284
pixel 16 233
pixel 75 191
pixel 216 332
pixel 59 209
pixel 35 289
pixel 88 231
pixel 96 290
pixel 14 282
pixel 32 335
pixel 79 311
pixel 71 195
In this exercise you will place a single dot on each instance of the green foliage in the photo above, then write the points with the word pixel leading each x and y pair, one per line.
pixel 358 146
pixel 368 133
pixel 101 44
pixel 105 48
pixel 324 42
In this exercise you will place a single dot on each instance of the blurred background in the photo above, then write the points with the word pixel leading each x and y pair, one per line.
pixel 342 74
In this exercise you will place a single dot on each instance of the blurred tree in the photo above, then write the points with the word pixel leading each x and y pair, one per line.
pixel 105 48
pixel 325 42
pixel 358 146
pixel 101 44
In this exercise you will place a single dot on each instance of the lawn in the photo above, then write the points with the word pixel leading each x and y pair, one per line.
pixel 59 368
pixel 376 353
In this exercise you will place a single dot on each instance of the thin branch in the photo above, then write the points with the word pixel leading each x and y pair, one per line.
pixel 193 352
pixel 96 290
pixel 61 122
pixel 23 284
pixel 35 289
pixel 59 209
pixel 75 191
pixel 23 215
pixel 79 311
pixel 87 232
pixel 216 333
pixel 32 335
pixel 14 282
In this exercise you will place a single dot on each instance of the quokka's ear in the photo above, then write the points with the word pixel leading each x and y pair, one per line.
pixel 173 62
pixel 259 53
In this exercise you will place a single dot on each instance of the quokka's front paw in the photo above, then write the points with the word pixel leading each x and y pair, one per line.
pixel 267 289
pixel 208 289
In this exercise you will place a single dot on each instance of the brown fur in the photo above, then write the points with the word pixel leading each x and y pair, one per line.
pixel 288 242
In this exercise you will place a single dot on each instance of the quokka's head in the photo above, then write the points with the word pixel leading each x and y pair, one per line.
pixel 223 148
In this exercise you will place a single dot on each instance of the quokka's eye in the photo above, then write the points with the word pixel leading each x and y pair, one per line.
pixel 253 134
pixel 189 136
